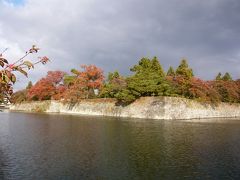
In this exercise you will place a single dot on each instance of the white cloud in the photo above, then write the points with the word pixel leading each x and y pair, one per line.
pixel 114 34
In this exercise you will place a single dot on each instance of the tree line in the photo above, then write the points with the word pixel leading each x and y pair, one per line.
pixel 148 79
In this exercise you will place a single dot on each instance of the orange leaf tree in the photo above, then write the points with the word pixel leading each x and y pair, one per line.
pixel 49 87
pixel 84 83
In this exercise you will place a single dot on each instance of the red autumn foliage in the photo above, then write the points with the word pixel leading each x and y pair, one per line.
pixel 93 76
pixel 207 91
pixel 82 84
pixel 77 91
pixel 203 90
pixel 228 90
pixel 60 92
pixel 42 90
pixel 48 87
pixel 55 77
pixel 180 84
pixel 87 80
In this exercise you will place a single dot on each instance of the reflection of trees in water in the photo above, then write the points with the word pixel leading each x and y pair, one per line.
pixel 159 149
pixel 107 148
pixel 149 150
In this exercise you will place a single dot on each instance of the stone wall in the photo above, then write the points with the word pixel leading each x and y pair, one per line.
pixel 145 107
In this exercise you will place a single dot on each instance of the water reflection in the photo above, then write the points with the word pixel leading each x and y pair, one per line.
pixel 74 147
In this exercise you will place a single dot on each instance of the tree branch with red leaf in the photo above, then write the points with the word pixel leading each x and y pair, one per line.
pixel 8 70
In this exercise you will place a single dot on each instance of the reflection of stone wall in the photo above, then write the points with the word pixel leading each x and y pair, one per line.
pixel 146 107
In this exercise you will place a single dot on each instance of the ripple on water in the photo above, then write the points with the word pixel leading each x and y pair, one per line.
pixel 41 146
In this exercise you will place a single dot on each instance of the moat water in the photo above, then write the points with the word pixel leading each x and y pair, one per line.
pixel 42 146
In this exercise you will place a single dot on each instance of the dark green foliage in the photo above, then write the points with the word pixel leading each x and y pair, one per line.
pixel 147 65
pixel 149 84
pixel 126 96
pixel 184 70
pixel 115 84
pixel 156 66
pixel 149 79
pixel 218 77
pixel 227 77
pixel 116 87
pixel 113 75
pixel 171 71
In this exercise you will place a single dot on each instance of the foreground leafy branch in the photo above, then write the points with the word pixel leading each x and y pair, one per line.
pixel 8 70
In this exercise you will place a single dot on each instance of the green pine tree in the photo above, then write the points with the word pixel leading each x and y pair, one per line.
pixel 69 79
pixel 148 65
pixel 219 77
pixel 227 77
pixel 113 75
pixel 156 66
pixel 170 71
pixel 184 70
pixel 149 78
pixel 114 86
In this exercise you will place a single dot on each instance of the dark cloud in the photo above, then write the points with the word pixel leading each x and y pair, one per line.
pixel 116 34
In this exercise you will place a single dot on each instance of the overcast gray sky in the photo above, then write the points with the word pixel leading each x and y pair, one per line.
pixel 115 34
